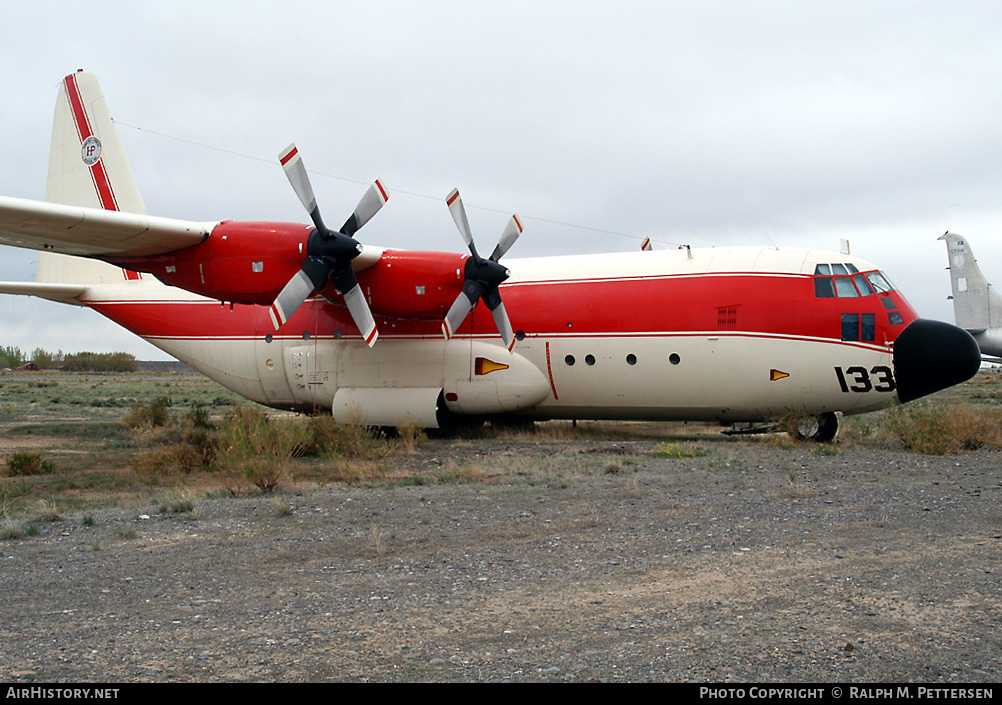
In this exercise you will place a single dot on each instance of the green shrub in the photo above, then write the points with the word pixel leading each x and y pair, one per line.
pixel 255 449
pixel 21 463
pixel 155 414
pixel 198 416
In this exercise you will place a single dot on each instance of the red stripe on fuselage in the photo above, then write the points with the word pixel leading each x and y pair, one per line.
pixel 98 173
pixel 739 305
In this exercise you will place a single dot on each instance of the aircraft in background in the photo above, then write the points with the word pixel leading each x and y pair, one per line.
pixel 977 307
pixel 305 317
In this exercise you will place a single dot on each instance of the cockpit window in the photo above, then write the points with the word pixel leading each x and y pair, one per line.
pixel 823 288
pixel 880 283
pixel 847 282
pixel 836 268
pixel 844 288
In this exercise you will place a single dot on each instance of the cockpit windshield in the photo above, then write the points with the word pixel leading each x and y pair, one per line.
pixel 843 280
pixel 880 283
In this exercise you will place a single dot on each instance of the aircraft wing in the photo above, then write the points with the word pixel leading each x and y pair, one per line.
pixel 93 232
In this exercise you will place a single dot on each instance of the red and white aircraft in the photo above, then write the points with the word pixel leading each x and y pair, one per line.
pixel 304 317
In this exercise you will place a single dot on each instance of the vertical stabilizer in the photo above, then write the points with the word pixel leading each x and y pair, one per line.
pixel 87 167
pixel 976 304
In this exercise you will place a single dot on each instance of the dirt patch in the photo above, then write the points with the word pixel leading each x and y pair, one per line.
pixel 755 561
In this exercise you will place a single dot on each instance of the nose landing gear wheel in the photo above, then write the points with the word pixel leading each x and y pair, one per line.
pixel 821 428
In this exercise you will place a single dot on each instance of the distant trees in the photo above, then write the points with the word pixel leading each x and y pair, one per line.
pixel 100 362
pixel 11 356
pixel 46 360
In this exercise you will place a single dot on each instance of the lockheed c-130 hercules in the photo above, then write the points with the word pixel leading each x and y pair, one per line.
pixel 311 318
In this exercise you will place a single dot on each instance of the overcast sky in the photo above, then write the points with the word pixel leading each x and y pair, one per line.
pixel 707 123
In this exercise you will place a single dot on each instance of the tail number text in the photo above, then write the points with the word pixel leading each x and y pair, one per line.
pixel 859 379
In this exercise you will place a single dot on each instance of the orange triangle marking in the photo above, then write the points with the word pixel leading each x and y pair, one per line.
pixel 483 366
pixel 777 374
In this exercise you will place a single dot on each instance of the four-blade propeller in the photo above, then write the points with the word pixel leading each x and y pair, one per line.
pixel 328 253
pixel 482 277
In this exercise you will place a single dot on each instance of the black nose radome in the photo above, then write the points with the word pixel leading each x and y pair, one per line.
pixel 932 355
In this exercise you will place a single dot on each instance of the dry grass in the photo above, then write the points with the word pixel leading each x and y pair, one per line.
pixel 457 472
pixel 78 423
pixel 347 441
pixel 354 472
pixel 411 437
pixel 943 427
pixel 176 447
pixel 564 431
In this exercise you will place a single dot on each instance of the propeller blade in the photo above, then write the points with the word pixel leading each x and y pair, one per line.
pixel 360 313
pixel 328 252
pixel 504 325
pixel 459 215
pixel 481 277
pixel 508 238
pixel 290 299
pixel 370 204
pixel 458 312
pixel 358 307
pixel 311 277
pixel 461 307
pixel 295 170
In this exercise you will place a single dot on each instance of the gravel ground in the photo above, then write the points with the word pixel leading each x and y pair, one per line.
pixel 579 562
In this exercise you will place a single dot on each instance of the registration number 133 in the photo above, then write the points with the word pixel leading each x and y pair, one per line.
pixel 860 379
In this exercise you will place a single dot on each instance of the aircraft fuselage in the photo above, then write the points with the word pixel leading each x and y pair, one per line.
pixel 729 334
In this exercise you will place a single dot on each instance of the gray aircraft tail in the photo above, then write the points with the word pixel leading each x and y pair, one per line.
pixel 976 305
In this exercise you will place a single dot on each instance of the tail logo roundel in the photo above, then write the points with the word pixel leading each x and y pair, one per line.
pixel 90 150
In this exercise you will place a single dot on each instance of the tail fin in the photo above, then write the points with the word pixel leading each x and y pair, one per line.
pixel 87 167
pixel 976 304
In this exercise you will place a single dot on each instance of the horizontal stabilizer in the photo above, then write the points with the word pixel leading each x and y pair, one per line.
pixel 93 232
pixel 61 293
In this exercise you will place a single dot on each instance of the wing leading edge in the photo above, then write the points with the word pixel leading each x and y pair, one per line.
pixel 60 293
pixel 93 232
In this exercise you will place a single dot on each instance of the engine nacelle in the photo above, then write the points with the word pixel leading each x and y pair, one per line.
pixel 250 263
pixel 416 285
pixel 246 263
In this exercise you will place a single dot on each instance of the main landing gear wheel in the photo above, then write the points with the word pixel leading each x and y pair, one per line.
pixel 821 428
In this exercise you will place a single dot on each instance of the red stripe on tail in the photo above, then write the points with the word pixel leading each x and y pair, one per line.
pixel 98 173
